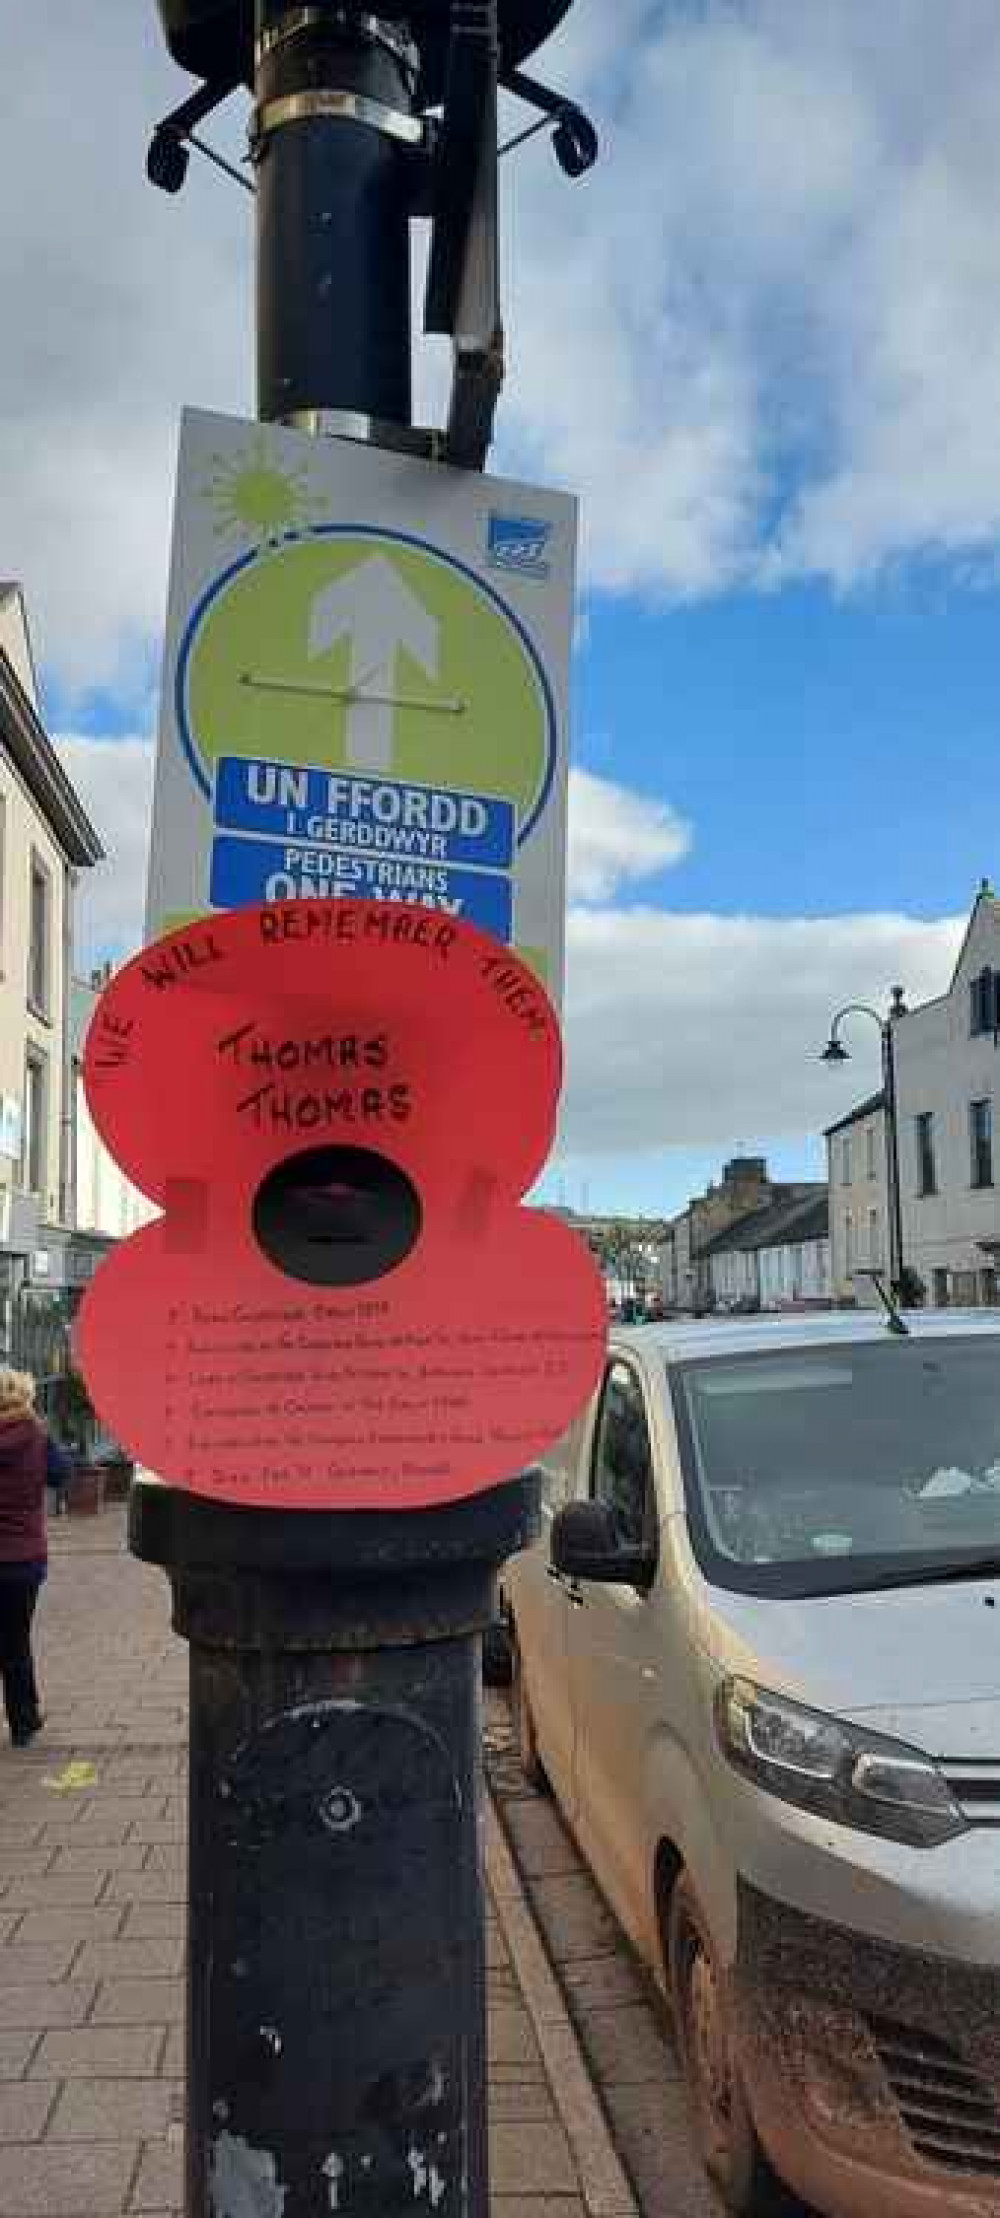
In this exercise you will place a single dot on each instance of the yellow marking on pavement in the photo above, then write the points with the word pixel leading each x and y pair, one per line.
pixel 72 1778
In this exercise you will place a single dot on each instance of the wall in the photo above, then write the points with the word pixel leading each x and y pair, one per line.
pixel 942 1068
pixel 797 1272
pixel 22 831
pixel 732 1275
pixel 855 1198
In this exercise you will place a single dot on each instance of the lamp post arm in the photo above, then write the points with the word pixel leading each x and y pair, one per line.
pixel 856 1009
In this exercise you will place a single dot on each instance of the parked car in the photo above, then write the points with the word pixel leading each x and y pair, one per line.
pixel 757 1655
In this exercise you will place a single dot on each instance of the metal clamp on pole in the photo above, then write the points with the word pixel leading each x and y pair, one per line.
pixel 337 149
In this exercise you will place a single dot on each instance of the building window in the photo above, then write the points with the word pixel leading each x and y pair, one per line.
pixel 926 1169
pixel 849 1243
pixel 940 1289
pixel 983 1003
pixel 870 1149
pixel 874 1240
pixel 845 1173
pixel 35 1152
pixel 981 1142
pixel 39 933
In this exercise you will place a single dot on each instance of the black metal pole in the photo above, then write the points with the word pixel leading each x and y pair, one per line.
pixel 335 143
pixel 892 1159
pixel 336 1937
pixel 336 1960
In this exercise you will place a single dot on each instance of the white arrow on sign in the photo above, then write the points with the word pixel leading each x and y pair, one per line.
pixel 381 617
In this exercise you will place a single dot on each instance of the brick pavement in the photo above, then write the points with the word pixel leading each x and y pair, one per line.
pixel 92 1888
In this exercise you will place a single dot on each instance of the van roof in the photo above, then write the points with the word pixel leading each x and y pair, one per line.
pixel 686 1340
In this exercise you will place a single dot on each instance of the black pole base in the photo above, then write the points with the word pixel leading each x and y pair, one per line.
pixel 336 1996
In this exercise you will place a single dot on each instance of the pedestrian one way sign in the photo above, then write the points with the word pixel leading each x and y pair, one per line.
pixel 365 686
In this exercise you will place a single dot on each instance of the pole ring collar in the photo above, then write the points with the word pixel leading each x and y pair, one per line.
pixel 339 107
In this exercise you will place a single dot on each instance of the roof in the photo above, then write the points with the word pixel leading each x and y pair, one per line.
pixel 24 738
pixel 798 1213
pixel 728 1336
pixel 855 1116
pixel 984 898
pixel 15 637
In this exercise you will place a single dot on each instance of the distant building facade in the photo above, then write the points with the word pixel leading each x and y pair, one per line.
pixel 858 1202
pixel 684 1276
pixel 776 1258
pixel 46 839
pixel 947 1057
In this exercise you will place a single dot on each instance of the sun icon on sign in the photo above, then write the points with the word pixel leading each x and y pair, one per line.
pixel 250 493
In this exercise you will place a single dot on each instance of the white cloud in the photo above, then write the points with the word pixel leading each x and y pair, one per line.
pixel 696 1030
pixel 119 304
pixel 682 1031
pixel 616 837
pixel 114 778
pixel 762 338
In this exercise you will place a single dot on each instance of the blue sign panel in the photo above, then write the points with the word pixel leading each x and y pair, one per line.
pixel 365 813
pixel 272 870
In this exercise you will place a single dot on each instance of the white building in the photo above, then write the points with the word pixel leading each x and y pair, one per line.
pixel 947 1057
pixel 776 1258
pixel 46 838
pixel 859 1215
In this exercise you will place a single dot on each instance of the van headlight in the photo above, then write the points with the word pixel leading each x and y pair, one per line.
pixel 836 1771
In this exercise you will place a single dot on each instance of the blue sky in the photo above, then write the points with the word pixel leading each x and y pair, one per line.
pixel 762 342
pixel 828 750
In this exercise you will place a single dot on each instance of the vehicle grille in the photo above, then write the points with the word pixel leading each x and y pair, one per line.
pixel 951 2114
pixel 976 1788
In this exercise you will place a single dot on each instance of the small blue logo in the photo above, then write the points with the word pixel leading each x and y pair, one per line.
pixel 518 543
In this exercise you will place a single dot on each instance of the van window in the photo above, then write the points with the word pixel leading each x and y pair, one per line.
pixel 826 1471
pixel 560 1464
pixel 622 1469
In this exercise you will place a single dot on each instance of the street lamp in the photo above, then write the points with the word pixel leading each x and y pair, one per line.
pixel 836 1052
pixel 215 38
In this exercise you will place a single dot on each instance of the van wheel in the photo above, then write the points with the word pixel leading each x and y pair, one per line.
pixel 529 1759
pixel 731 2152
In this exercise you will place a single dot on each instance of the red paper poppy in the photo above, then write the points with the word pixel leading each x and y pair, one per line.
pixel 338 1107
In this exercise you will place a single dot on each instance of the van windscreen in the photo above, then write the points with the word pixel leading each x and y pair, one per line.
pixel 878 1464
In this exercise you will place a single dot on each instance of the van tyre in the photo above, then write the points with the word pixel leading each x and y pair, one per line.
pixel 529 1759
pixel 731 2153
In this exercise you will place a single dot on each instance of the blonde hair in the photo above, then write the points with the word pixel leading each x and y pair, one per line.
pixel 17 1390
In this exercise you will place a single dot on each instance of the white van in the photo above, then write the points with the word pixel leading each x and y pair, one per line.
pixel 757 1655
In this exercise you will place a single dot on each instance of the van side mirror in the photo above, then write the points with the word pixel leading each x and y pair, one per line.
pixel 585 1545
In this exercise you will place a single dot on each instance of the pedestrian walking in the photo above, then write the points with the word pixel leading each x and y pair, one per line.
pixel 29 1462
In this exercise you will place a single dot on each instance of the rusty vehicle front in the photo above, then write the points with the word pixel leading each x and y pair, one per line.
pixel 757 1653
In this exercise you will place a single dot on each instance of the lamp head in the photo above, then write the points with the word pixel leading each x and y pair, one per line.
pixel 214 39
pixel 834 1052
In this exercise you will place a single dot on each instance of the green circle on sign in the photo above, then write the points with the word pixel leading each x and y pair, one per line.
pixel 446 688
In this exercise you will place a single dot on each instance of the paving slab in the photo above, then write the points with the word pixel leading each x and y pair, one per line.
pixel 43 2180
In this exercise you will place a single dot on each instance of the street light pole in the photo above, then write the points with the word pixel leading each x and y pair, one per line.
pixel 836 1052
pixel 894 1196
pixel 336 2040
